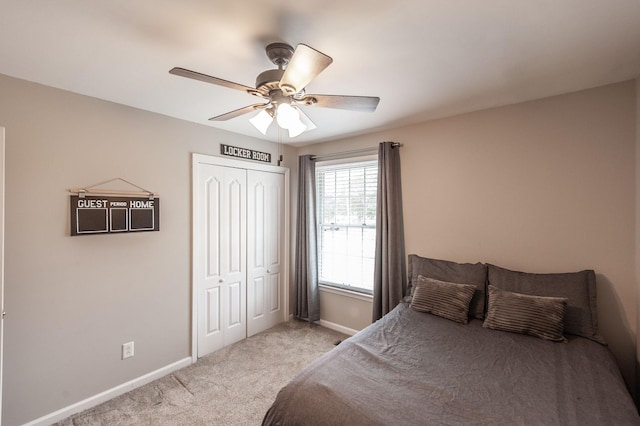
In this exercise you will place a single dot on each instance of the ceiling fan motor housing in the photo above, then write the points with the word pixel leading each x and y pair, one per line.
pixel 280 54
pixel 268 81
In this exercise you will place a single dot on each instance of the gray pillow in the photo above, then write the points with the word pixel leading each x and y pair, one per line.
pixel 579 288
pixel 444 270
pixel 520 313
pixel 447 300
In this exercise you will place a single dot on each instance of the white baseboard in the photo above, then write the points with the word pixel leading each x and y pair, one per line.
pixel 333 326
pixel 109 394
pixel 337 327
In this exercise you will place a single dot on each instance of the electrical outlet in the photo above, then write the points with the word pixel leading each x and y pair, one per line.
pixel 127 350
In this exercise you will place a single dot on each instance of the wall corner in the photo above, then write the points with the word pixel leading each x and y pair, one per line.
pixel 637 238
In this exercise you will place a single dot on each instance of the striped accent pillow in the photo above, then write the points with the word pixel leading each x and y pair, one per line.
pixel 444 299
pixel 521 313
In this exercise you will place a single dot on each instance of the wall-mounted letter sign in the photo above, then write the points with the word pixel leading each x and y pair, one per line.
pixel 249 154
pixel 94 214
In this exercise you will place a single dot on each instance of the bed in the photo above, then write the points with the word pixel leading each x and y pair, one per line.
pixel 416 367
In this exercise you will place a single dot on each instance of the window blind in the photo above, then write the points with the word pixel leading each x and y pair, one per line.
pixel 347 224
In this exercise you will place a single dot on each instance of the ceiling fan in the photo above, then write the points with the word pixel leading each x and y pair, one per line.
pixel 284 90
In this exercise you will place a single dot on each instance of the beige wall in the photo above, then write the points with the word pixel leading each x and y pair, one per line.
pixel 72 301
pixel 542 186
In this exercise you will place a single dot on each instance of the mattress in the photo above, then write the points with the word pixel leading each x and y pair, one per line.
pixel 413 368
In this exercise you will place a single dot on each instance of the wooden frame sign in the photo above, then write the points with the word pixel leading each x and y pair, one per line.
pixel 95 214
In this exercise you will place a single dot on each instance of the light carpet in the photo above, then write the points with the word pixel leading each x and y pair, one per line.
pixel 232 386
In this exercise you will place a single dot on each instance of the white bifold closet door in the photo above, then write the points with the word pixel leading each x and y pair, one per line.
pixel 239 241
pixel 265 231
pixel 220 261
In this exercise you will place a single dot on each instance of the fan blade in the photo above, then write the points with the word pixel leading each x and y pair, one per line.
pixel 238 112
pixel 305 64
pixel 352 103
pixel 182 72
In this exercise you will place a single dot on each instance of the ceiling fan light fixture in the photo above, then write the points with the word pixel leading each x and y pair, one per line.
pixel 306 120
pixel 287 116
pixel 296 129
pixel 262 121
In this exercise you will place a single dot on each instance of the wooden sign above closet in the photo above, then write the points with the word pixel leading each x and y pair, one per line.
pixel 249 154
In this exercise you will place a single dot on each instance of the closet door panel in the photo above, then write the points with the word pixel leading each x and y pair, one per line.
pixel 234 244
pixel 220 256
pixel 257 301
pixel 276 241
pixel 212 225
pixel 265 228
pixel 207 259
pixel 235 306
pixel 213 311
pixel 258 224
pixel 234 219
pixel 256 264
pixel 275 218
pixel 274 293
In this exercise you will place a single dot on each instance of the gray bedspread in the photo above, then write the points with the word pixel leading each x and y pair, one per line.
pixel 413 368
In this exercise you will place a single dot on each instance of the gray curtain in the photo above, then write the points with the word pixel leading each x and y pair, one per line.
pixel 306 269
pixel 390 278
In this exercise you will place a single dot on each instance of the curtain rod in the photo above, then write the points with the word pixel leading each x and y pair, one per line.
pixel 354 151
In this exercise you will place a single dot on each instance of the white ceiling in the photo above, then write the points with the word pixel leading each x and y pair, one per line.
pixel 424 58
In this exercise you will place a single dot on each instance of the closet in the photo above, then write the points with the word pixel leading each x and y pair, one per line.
pixel 240 239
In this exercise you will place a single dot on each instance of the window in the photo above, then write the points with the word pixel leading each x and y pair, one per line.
pixel 346 200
